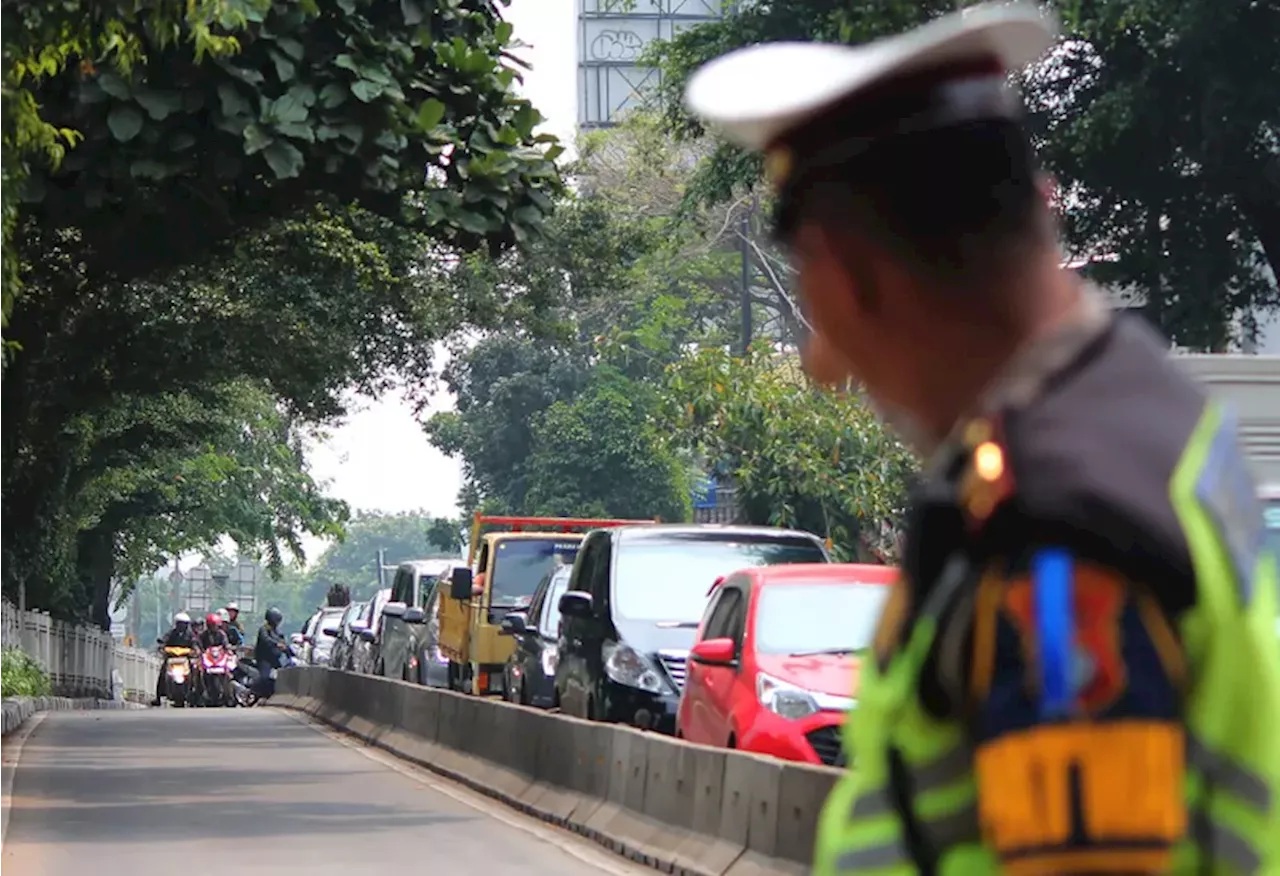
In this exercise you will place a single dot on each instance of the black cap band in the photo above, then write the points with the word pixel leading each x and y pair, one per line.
pixel 792 163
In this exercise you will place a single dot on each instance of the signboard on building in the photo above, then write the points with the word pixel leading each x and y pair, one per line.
pixel 612 37
pixel 205 591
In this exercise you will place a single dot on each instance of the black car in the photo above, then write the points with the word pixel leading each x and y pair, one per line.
pixel 631 613
pixel 529 678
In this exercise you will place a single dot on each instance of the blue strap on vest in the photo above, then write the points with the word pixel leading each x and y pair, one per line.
pixel 1051 576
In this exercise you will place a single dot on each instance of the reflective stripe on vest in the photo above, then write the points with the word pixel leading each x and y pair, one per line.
pixel 939 832
pixel 941 791
pixel 1233 707
pixel 1219 774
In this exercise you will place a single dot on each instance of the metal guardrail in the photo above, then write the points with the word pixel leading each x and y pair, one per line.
pixel 81 661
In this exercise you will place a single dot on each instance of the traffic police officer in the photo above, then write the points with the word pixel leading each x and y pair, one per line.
pixel 1079 671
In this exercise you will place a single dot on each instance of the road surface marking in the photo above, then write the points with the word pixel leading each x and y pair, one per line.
pixel 12 751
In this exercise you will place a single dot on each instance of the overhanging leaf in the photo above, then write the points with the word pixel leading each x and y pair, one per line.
pixel 430 114
pixel 256 139
pixel 284 159
pixel 159 104
pixel 125 122
pixel 366 90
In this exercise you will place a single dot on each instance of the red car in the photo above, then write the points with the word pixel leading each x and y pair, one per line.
pixel 775 666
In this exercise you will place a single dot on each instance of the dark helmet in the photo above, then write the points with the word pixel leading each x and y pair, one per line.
pixel 274 616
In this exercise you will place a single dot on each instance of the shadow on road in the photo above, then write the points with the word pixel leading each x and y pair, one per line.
pixel 137 777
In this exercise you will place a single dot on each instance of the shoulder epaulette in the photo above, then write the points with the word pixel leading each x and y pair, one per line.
pixel 986 479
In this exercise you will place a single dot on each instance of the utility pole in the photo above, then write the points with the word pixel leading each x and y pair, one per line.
pixel 744 233
pixel 382 573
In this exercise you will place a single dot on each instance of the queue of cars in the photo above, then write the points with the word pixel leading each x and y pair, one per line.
pixel 739 636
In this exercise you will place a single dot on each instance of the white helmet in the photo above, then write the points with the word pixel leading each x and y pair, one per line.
pixel 182 618
pixel 232 606
pixel 223 615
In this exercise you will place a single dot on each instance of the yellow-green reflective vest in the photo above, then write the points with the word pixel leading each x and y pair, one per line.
pixel 1232 719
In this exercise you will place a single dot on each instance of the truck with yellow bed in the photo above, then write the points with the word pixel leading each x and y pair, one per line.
pixel 503 569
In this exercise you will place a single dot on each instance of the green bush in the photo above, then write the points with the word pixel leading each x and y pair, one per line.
pixel 21 675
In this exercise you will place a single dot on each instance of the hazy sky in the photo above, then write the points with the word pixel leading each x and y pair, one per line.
pixel 380 459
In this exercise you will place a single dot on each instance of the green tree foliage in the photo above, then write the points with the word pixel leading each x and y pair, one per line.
pixel 797 456
pixel 310 307
pixel 1158 118
pixel 501 385
pixel 1161 120
pixel 605 454
pixel 229 200
pixel 22 676
pixel 406 107
pixel 604 403
pixel 353 561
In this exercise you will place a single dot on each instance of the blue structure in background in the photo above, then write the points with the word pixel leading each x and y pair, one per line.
pixel 704 493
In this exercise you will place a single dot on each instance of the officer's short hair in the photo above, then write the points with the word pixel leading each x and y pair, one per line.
pixel 956 205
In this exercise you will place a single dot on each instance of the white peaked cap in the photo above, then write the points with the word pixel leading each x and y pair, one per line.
pixel 755 95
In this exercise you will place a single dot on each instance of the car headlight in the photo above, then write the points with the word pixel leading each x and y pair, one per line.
pixel 784 700
pixel 550 656
pixel 625 665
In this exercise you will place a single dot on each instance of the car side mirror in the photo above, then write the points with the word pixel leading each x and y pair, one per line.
pixel 296 638
pixel 331 632
pixel 393 609
pixel 460 581
pixel 414 615
pixel 310 640
pixel 368 635
pixel 575 603
pixel 358 627
pixel 715 652
pixel 513 624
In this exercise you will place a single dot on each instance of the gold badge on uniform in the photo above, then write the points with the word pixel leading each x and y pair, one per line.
pixel 988 479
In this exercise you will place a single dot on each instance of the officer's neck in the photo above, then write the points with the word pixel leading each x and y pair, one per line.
pixel 986 346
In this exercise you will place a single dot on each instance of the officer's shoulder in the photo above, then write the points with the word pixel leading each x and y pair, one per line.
pixel 1089 460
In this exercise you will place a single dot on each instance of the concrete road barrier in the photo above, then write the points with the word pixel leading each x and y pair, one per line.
pixel 18 710
pixel 681 808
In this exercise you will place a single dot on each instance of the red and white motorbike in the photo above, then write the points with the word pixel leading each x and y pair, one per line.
pixel 217 664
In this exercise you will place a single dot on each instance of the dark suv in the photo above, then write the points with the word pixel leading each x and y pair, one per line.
pixel 635 598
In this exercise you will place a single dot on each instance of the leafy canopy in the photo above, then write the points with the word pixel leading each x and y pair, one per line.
pixel 1158 118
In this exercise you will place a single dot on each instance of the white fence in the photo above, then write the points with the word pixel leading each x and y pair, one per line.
pixel 81 661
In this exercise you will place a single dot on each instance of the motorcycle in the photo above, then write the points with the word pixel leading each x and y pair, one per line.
pixel 216 664
pixel 245 681
pixel 260 681
pixel 178 671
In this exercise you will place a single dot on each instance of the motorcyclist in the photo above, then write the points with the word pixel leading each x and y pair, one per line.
pixel 271 646
pixel 235 636
pixel 232 620
pixel 213 634
pixel 180 635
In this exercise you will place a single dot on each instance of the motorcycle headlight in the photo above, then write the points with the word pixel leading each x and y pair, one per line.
pixel 625 665
pixel 550 656
pixel 784 700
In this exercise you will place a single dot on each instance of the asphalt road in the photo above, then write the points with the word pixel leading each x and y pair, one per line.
pixel 255 791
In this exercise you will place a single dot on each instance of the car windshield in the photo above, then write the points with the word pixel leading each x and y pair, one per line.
pixel 817 618
pixel 550 625
pixel 667 580
pixel 521 563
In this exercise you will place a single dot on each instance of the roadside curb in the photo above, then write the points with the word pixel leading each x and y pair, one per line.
pixel 18 710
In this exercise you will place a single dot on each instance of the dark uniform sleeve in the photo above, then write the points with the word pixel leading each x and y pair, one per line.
pixel 1074 674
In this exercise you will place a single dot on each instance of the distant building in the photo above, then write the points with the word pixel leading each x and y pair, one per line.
pixel 612 35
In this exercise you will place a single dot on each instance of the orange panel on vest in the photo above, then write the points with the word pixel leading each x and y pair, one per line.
pixel 1087 791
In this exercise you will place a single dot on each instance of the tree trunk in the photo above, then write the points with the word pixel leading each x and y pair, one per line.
pixel 96 561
